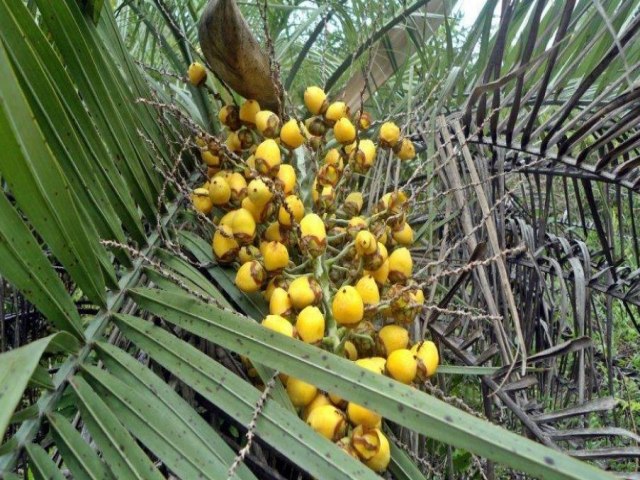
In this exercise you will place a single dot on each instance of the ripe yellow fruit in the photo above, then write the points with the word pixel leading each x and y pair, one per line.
pixel 391 338
pixel 259 192
pixel 280 303
pixel 353 203
pixel 320 401
pixel 403 234
pixel 328 175
pixel 350 351
pixel 389 134
pixel 276 257
pixel 368 290
pixel 250 276
pixel 364 120
pixel 338 401
pixel 402 365
pixel 372 447
pixel 229 116
pixel 268 157
pixel 355 225
pixel 291 135
pixel 347 306
pixel 295 207
pixel 328 421
pixel 315 100
pixel 233 142
pixel 238 187
pixel 365 243
pixel 248 253
pixel 224 244
pixel 428 358
pixel 268 124
pixel 286 178
pixel 275 282
pixel 335 112
pixel 197 74
pixel 274 233
pixel 278 324
pixel 366 155
pixel 304 291
pixel 333 157
pixel 327 197
pixel 373 364
pixel 210 157
pixel 400 265
pixel 243 226
pixel 300 393
pixel 407 149
pixel 359 415
pixel 259 212
pixel 201 200
pixel 219 191
pixel 248 111
pixel 344 131
pixel 310 324
pixel 313 235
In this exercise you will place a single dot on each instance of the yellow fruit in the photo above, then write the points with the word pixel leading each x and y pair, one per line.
pixel 280 303
pixel 276 257
pixel 338 401
pixel 327 197
pixel 373 364
pixel 313 235
pixel 259 192
pixel 248 253
pixel 268 158
pixel 368 290
pixel 229 116
pixel 347 306
pixel 250 167
pixel 238 186
pixel 328 175
pixel 290 135
pixel 304 291
pixel 273 233
pixel 328 421
pixel 210 157
pixel 295 207
pixel 278 324
pixel 315 100
pixel 250 276
pixel 350 351
pixel 275 282
pixel 219 191
pixel 243 226
pixel 248 111
pixel 201 200
pixel 400 265
pixel 353 203
pixel 404 234
pixel 355 225
pixel 375 260
pixel 233 142
pixel 358 415
pixel 366 155
pixel 333 157
pixel 402 365
pixel 344 131
pixel 258 212
pixel 267 123
pixel 335 112
pixel 389 134
pixel 407 150
pixel 320 401
pixel 286 178
pixel 372 447
pixel 227 219
pixel 197 74
pixel 391 338
pixel 364 120
pixel 428 358
pixel 224 245
pixel 365 243
pixel 310 324
pixel 300 393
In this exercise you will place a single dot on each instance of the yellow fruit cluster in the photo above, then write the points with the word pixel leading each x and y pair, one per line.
pixel 334 273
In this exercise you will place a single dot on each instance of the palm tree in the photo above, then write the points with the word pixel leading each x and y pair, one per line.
pixel 122 336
